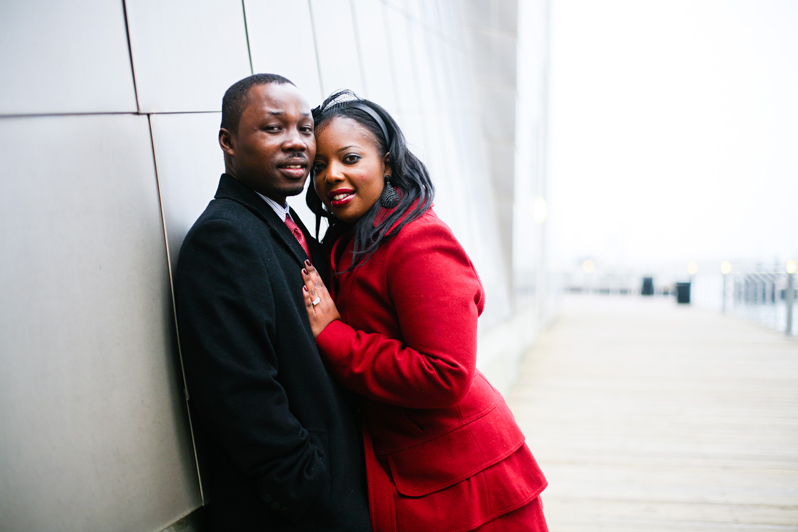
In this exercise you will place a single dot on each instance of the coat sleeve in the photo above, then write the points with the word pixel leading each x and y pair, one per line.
pixel 226 324
pixel 437 298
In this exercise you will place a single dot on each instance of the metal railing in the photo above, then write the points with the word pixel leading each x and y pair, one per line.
pixel 757 292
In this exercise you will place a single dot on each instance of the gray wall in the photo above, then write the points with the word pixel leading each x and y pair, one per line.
pixel 109 112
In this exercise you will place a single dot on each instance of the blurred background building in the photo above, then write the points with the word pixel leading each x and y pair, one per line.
pixel 109 113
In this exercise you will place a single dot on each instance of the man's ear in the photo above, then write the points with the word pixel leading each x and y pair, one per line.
pixel 226 142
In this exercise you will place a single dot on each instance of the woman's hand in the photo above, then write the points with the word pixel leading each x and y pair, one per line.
pixel 318 302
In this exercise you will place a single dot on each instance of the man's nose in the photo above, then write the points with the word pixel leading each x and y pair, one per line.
pixel 295 141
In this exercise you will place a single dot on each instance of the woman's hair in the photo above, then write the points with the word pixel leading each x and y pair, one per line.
pixel 408 175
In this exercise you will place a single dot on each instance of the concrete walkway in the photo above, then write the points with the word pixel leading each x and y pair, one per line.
pixel 648 416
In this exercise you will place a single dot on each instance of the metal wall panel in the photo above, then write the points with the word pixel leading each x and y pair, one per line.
pixel 507 15
pixel 376 60
pixel 415 10
pixel 477 12
pixel 400 4
pixel 189 162
pixel 494 55
pixel 186 53
pixel 339 62
pixel 441 85
pixel 448 170
pixel 64 57
pixel 93 419
pixel 420 51
pixel 281 42
pixel 402 59
pixel 449 16
pixel 431 17
pixel 483 231
pixel 453 68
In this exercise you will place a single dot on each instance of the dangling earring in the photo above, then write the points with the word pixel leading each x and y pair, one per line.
pixel 389 198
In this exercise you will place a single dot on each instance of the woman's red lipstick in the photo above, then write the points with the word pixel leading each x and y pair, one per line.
pixel 341 196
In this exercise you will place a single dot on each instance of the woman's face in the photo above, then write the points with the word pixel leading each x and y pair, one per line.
pixel 348 169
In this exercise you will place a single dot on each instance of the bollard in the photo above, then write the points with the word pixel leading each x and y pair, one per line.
pixel 648 286
pixel 683 293
pixel 789 296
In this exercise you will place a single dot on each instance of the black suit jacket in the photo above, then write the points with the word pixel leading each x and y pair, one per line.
pixel 280 444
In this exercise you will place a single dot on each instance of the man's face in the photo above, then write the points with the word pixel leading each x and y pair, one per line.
pixel 274 146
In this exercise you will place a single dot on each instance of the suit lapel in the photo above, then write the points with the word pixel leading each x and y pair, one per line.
pixel 231 188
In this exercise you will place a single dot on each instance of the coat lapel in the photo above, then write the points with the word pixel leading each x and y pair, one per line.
pixel 231 188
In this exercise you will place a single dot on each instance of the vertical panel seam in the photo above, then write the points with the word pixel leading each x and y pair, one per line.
pixel 174 309
pixel 246 34
pixel 132 66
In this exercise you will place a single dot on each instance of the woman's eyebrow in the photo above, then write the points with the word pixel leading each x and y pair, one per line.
pixel 348 147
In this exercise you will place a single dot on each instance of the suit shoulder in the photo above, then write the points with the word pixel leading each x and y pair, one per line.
pixel 225 227
pixel 229 214
pixel 225 209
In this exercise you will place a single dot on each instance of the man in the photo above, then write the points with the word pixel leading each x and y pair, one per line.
pixel 280 446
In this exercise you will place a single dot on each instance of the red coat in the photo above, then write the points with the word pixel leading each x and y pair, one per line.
pixel 443 451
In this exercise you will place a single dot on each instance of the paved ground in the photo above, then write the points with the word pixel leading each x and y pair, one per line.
pixel 649 416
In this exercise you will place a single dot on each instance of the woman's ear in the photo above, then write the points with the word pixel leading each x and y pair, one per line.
pixel 387 162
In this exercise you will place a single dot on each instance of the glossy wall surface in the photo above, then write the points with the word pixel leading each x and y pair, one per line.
pixel 109 114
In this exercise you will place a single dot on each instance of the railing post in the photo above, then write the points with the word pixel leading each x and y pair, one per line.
pixel 725 276
pixel 725 270
pixel 789 296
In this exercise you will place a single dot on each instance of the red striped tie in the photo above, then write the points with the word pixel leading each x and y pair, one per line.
pixel 297 233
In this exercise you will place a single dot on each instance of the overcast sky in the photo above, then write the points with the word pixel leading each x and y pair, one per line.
pixel 674 130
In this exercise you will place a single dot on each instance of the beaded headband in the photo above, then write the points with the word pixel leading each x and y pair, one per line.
pixel 377 118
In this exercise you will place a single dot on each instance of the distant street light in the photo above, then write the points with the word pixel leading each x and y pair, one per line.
pixel 692 268
pixel 791 266
pixel 588 266
pixel 540 210
pixel 725 267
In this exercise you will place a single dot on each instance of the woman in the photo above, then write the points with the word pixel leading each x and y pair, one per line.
pixel 443 451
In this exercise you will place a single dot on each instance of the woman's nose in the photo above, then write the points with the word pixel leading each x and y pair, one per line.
pixel 334 173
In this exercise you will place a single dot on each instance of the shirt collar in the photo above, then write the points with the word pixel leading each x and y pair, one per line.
pixel 280 210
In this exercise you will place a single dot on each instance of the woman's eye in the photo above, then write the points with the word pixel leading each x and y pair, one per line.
pixel 351 158
pixel 316 168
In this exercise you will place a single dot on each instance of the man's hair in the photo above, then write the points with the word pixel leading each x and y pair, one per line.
pixel 236 98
